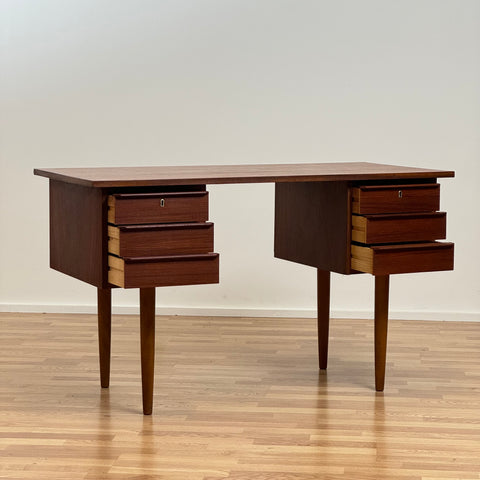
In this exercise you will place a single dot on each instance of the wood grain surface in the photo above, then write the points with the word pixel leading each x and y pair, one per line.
pixel 238 399
pixel 212 174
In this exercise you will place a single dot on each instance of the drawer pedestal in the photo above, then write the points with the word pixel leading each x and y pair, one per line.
pixel 157 239
pixel 351 228
pixel 160 239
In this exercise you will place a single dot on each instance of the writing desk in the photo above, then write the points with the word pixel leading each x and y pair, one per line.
pixel 147 227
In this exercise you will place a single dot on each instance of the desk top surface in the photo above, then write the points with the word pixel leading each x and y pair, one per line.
pixel 104 177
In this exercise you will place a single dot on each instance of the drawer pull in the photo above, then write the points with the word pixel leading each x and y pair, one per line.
pixel 162 202
pixel 400 194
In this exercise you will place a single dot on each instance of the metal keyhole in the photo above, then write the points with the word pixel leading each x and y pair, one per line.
pixel 400 194
pixel 162 202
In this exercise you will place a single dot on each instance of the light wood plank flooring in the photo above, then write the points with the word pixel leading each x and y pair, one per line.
pixel 238 399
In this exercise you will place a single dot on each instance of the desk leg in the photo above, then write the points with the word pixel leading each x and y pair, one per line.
pixel 381 327
pixel 104 309
pixel 323 311
pixel 147 345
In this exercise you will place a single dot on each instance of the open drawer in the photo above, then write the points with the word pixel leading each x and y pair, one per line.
pixel 159 240
pixel 141 272
pixel 399 227
pixel 402 258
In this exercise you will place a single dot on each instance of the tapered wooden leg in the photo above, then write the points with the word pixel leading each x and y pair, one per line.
pixel 323 311
pixel 104 310
pixel 147 345
pixel 381 327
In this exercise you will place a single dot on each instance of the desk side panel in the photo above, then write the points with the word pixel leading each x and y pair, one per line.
pixel 313 224
pixel 78 235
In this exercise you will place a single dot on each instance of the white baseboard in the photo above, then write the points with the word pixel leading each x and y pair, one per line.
pixel 245 312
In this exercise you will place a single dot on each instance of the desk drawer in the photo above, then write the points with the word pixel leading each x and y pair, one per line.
pixel 169 207
pixel 164 271
pixel 408 258
pixel 371 199
pixel 160 239
pixel 396 228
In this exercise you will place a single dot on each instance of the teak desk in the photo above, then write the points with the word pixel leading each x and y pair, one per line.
pixel 148 227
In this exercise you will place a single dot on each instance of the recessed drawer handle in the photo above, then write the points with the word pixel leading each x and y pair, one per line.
pixel 162 202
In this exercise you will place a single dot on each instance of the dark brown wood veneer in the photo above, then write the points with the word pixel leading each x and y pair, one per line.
pixel 78 232
pixel 222 174
pixel 312 224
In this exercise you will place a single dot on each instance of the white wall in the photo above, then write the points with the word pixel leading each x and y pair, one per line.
pixel 116 82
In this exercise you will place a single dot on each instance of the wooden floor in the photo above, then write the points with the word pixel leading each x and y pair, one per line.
pixel 238 399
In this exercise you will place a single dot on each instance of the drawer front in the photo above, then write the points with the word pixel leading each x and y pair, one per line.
pixel 160 240
pixel 409 227
pixel 395 199
pixel 163 271
pixel 142 208
pixel 409 258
